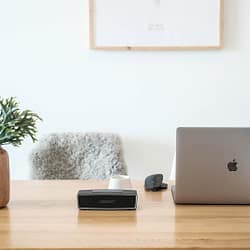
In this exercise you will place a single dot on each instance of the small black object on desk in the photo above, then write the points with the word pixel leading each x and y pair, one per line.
pixel 107 199
pixel 154 183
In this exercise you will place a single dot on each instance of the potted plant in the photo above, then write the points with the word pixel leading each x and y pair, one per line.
pixel 15 125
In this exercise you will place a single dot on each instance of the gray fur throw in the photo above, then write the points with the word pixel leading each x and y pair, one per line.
pixel 77 156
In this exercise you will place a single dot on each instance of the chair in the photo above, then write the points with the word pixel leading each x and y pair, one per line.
pixel 77 156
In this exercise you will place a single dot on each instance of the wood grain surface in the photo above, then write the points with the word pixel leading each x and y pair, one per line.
pixel 44 215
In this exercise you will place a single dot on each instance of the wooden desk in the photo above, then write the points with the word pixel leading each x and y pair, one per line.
pixel 44 215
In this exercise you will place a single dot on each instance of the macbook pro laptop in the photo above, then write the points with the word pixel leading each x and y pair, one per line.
pixel 212 166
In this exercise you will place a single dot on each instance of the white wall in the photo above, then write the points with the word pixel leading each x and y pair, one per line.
pixel 143 96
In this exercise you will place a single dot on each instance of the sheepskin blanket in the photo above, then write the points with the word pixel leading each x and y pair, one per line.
pixel 77 156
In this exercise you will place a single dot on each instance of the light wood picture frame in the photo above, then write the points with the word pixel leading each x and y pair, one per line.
pixel 155 24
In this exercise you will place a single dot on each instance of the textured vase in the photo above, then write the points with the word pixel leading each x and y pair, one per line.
pixel 4 178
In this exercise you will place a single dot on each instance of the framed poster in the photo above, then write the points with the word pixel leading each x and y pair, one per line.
pixel 155 24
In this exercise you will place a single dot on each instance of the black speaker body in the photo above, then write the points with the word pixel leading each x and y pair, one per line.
pixel 107 199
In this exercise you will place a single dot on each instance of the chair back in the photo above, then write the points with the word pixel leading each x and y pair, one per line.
pixel 77 156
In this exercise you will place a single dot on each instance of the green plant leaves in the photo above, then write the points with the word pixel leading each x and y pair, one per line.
pixel 15 125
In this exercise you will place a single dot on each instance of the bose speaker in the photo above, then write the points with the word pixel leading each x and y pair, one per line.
pixel 107 199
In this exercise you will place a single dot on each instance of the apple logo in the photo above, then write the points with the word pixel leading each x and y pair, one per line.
pixel 232 166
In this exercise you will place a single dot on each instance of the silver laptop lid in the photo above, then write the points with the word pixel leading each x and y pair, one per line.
pixel 213 165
